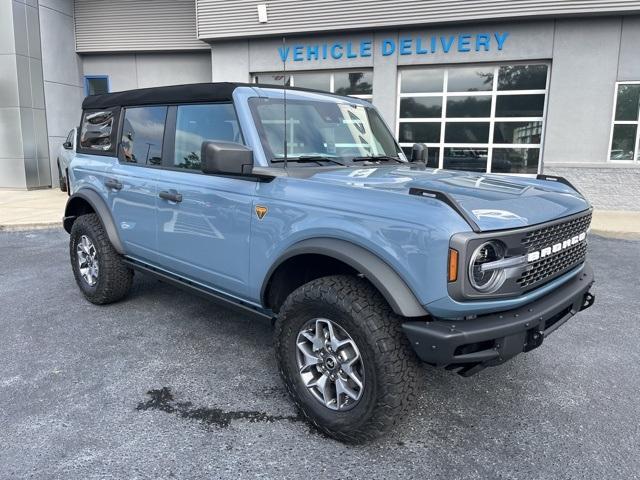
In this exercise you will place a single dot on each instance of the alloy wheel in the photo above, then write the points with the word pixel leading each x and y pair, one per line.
pixel 330 364
pixel 87 256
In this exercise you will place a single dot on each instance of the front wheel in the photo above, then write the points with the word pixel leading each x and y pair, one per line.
pixel 99 270
pixel 344 359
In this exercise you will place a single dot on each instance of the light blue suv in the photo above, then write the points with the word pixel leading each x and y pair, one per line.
pixel 299 206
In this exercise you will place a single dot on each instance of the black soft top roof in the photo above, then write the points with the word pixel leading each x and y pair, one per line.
pixel 190 93
pixel 195 92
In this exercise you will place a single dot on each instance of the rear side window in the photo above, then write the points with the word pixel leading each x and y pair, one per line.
pixel 198 123
pixel 97 131
pixel 142 135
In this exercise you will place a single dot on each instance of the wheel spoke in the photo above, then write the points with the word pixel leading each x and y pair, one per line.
pixel 352 374
pixel 309 359
pixel 343 387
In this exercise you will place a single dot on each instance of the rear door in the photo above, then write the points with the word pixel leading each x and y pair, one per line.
pixel 132 182
pixel 203 221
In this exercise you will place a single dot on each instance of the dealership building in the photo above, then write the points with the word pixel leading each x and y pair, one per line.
pixel 496 86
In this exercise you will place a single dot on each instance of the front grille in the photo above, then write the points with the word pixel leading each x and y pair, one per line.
pixel 557 263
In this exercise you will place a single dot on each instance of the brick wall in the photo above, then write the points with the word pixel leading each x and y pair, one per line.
pixel 606 188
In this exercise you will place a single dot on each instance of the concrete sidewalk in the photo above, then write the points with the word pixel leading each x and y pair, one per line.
pixel 32 209
pixel 25 210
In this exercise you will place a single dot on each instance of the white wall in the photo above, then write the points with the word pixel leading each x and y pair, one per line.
pixel 139 70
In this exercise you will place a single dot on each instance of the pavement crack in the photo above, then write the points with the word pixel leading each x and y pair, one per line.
pixel 162 400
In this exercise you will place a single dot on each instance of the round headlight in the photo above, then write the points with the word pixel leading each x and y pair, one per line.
pixel 482 279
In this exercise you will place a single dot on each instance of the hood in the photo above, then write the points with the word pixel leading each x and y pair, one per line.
pixel 494 202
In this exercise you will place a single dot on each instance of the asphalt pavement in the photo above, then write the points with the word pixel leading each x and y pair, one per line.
pixel 168 385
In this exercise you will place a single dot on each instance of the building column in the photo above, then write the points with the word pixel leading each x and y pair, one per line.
pixel 24 153
pixel 385 80
pixel 63 86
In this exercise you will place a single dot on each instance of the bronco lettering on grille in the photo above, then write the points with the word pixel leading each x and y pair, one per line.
pixel 555 248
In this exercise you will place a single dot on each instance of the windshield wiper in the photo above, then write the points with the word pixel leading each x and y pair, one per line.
pixel 377 158
pixel 308 159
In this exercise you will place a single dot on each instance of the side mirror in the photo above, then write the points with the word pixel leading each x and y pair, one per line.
pixel 419 153
pixel 67 145
pixel 226 158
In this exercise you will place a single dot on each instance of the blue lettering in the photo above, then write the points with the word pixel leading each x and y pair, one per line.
pixel 464 42
pixel 365 48
pixel 405 46
pixel 324 51
pixel 433 45
pixel 350 52
pixel 483 40
pixel 284 53
pixel 388 47
pixel 312 51
pixel 501 38
pixel 336 51
pixel 419 49
pixel 447 43
pixel 297 53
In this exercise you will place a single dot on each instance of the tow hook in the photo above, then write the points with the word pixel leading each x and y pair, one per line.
pixel 588 300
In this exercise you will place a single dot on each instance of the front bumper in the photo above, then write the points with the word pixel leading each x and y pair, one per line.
pixel 488 340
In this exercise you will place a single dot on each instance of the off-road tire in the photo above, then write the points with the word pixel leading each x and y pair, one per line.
pixel 62 180
pixel 391 367
pixel 114 277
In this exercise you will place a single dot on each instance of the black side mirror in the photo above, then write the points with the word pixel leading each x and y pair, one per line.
pixel 226 158
pixel 419 153
pixel 67 145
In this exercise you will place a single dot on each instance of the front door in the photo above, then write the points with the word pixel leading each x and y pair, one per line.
pixel 132 182
pixel 203 221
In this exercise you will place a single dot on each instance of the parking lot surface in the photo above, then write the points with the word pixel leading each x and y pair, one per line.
pixel 168 385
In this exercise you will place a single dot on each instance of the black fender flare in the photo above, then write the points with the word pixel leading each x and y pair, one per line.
pixel 392 287
pixel 102 210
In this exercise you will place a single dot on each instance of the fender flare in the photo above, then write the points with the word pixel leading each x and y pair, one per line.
pixel 101 209
pixel 392 287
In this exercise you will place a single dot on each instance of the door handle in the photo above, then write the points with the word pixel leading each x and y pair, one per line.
pixel 113 183
pixel 171 195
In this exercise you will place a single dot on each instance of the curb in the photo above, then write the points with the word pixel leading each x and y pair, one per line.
pixel 21 227
pixel 616 235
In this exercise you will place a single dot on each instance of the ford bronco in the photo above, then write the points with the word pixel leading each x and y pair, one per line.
pixel 299 206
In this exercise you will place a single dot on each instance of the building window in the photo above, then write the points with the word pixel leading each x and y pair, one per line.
pixel 96 84
pixel 355 83
pixel 625 134
pixel 485 118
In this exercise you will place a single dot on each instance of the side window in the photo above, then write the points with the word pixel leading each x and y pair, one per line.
pixel 97 131
pixel 142 135
pixel 198 123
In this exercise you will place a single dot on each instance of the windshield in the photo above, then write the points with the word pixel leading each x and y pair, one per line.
pixel 319 132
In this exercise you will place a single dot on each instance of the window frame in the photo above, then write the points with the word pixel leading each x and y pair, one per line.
pixel 96 77
pixel 367 96
pixel 492 119
pixel 636 152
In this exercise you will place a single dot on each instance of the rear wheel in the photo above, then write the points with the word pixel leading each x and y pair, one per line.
pixel 98 269
pixel 344 359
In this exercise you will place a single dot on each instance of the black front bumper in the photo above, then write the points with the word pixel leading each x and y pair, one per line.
pixel 488 340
